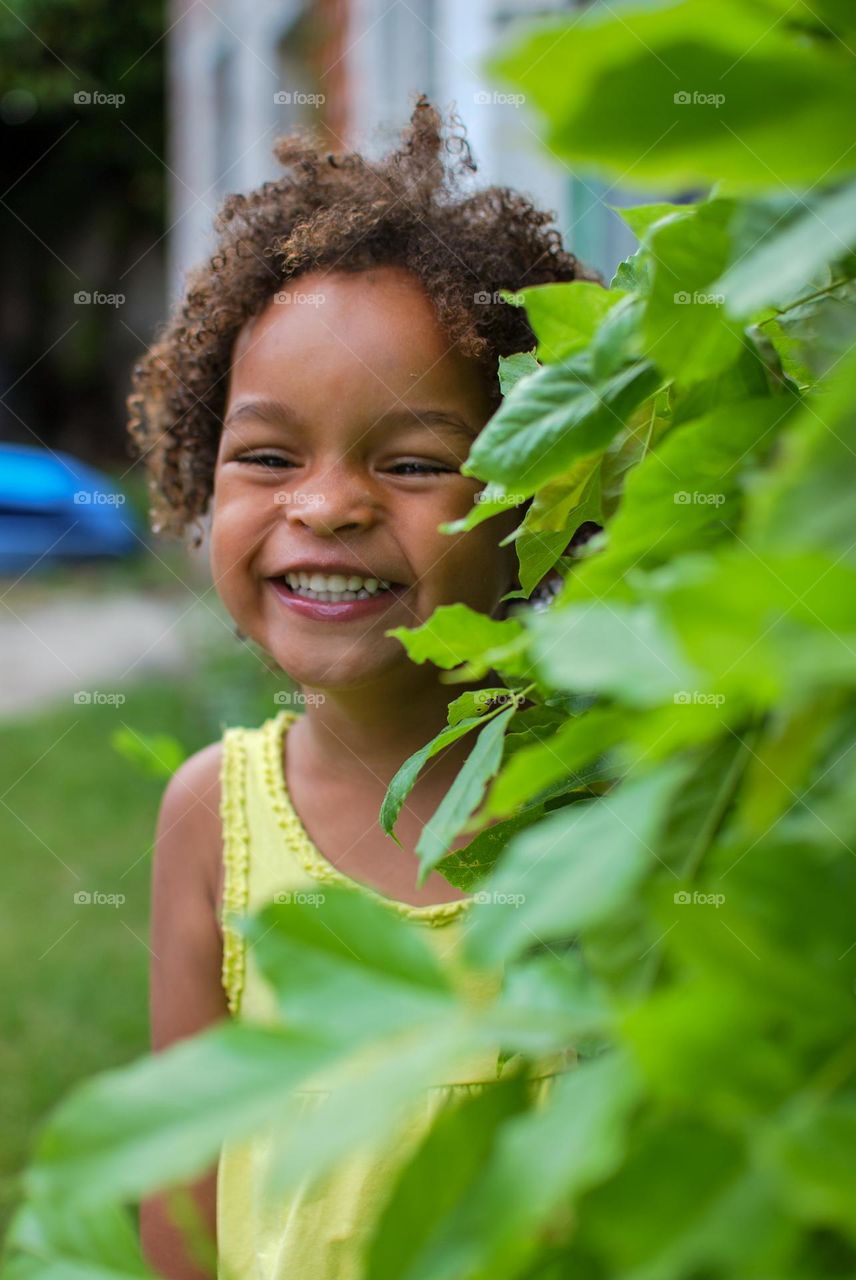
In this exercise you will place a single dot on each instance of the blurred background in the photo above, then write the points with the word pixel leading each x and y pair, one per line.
pixel 123 127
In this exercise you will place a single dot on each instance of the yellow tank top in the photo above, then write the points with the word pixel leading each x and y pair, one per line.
pixel 318 1231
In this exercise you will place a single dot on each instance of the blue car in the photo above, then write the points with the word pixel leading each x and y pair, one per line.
pixel 56 509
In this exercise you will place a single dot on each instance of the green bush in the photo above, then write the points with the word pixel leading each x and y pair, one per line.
pixel 670 880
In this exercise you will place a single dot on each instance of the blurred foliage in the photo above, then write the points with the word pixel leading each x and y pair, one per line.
pixel 669 891
pixel 78 814
pixel 84 196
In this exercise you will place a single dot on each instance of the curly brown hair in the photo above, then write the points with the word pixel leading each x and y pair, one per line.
pixel 342 211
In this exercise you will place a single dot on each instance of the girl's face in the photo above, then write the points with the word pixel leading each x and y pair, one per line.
pixel 347 418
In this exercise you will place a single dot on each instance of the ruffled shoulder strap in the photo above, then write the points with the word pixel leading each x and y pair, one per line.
pixel 236 859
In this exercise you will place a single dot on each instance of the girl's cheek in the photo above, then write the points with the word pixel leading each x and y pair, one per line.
pixel 232 544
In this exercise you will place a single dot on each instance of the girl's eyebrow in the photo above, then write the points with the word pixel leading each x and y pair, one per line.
pixel 452 422
pixel 266 410
pixel 280 414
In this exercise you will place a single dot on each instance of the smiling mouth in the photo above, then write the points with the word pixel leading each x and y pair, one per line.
pixel 339 589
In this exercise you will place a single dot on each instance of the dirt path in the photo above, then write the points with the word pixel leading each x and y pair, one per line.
pixel 91 645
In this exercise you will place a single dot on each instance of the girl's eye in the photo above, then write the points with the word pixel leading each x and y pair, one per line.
pixel 421 469
pixel 269 460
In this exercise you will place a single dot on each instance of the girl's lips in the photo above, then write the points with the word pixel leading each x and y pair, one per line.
pixel 335 610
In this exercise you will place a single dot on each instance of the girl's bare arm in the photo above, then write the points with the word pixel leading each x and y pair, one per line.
pixel 186 993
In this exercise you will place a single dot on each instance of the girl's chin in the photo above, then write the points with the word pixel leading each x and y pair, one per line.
pixel 339 673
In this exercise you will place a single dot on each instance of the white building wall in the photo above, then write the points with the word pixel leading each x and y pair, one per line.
pixel 226 66
pixel 224 73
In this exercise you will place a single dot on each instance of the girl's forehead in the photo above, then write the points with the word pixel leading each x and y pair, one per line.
pixel 339 300
pixel 356 329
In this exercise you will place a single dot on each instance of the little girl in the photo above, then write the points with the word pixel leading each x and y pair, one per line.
pixel 318 389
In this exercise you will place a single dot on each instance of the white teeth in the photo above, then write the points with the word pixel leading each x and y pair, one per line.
pixel 335 586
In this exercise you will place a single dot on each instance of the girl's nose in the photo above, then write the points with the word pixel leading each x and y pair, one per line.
pixel 334 504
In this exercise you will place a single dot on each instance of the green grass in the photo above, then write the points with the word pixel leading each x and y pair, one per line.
pixel 76 815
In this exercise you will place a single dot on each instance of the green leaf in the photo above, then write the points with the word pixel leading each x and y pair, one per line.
pixel 374 1102
pixel 548 1004
pixel 566 316
pixel 538 554
pixel 682 1054
pixel 495 1228
pixel 573 869
pixel 633 273
pixel 660 1213
pixel 475 702
pixel 60 1242
pixel 162 1120
pixel 793 741
pixel 555 514
pixel 514 367
pixel 811 1151
pixel 533 769
pixel 806 500
pixel 345 967
pixel 641 217
pixel 618 341
pixel 467 867
pixel 719 93
pixel 780 622
pixel 687 331
pixel 405 779
pixel 704 802
pixel 786 261
pixel 558 415
pixel 611 648
pixel 563 503
pixel 438 1179
pixel 155 754
pixel 747 378
pixel 464 795
pixel 492 500
pixel 454 634
pixel 690 488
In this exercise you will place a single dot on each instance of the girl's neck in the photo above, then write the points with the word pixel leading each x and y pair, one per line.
pixel 373 730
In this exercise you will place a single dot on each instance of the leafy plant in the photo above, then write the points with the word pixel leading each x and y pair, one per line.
pixel 668 882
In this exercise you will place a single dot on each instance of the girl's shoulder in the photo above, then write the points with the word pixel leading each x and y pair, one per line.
pixel 189 846
pixel 186 941
pixel 189 834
